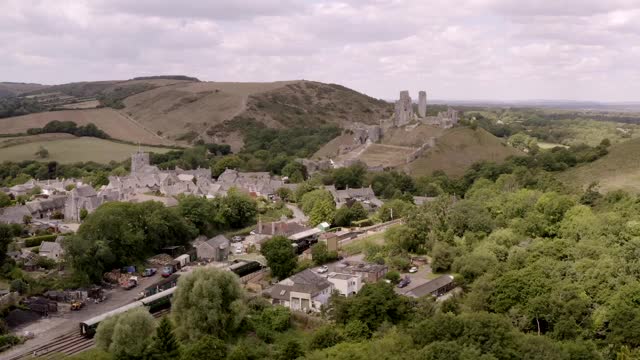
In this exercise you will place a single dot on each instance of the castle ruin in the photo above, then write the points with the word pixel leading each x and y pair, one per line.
pixel 422 104
pixel 404 109
pixel 404 112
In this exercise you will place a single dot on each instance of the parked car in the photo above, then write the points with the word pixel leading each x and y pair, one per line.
pixel 167 271
pixel 236 238
pixel 404 282
pixel 323 269
pixel 149 272
pixel 414 269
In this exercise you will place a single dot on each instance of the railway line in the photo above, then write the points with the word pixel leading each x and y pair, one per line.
pixel 65 345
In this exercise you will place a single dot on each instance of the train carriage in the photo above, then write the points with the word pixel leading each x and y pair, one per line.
pixel 153 303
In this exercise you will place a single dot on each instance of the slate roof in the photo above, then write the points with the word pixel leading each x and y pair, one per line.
pixel 219 241
pixel 14 214
pixel 308 282
pixel 85 191
pixel 431 286
pixel 49 246
pixel 52 203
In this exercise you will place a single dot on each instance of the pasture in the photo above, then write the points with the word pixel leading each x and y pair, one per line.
pixel 71 150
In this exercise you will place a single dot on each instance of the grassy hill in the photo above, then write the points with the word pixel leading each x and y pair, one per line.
pixel 177 109
pixel 12 88
pixel 620 169
pixel 69 149
pixel 457 149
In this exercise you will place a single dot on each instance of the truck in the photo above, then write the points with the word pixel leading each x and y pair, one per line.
pixel 131 283
pixel 149 272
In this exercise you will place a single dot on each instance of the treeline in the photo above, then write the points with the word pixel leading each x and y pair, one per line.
pixel 16 106
pixel 69 127
pixel 170 77
pixel 15 173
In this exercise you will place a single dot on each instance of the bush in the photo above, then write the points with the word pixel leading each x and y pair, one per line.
pixel 37 240
pixel 393 276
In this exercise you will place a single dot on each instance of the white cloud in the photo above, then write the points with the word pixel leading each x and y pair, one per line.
pixel 492 49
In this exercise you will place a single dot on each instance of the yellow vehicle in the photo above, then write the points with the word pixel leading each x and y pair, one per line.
pixel 77 305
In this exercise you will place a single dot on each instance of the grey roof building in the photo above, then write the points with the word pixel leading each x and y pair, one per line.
pixel 436 287
pixel 214 249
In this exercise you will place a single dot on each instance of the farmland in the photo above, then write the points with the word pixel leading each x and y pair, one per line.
pixel 71 150
pixel 110 121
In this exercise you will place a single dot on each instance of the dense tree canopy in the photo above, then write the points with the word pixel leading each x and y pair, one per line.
pixel 119 234
pixel 208 301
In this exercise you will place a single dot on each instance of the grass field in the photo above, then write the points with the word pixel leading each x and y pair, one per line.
pixel 385 155
pixel 620 169
pixel 108 120
pixel 75 150
pixel 459 148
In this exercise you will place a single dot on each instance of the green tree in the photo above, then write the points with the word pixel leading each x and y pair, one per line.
pixel 323 211
pixel 348 214
pixel 289 350
pixel 126 335
pixel 395 209
pixel 206 348
pixel 227 162
pixel 208 301
pixel 83 214
pixel 321 255
pixel 325 337
pixel 295 171
pixel 5 200
pixel 238 209
pixel 280 255
pixel 42 153
pixel 7 233
pixel 357 330
pixel 443 256
pixel 164 344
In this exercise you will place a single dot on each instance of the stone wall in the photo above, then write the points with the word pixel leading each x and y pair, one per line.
pixel 422 104
pixel 421 150
pixel 404 109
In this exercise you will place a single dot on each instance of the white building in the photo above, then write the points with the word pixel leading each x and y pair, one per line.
pixel 345 284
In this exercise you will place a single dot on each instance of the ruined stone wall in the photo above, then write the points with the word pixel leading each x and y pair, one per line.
pixel 421 150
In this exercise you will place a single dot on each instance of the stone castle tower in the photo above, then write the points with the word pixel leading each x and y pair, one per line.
pixel 138 161
pixel 422 104
pixel 404 109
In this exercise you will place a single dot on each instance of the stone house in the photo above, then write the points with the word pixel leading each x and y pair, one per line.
pixel 305 291
pixel 82 197
pixel 366 196
pixel 214 249
pixel 51 250
pixel 369 273
pixel 44 208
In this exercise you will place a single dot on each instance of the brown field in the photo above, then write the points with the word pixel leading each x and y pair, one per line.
pixel 108 120
pixel 182 107
pixel 459 148
pixel 385 155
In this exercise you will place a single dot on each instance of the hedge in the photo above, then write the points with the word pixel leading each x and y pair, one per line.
pixel 37 240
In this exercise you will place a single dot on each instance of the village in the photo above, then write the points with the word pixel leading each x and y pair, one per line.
pixel 55 208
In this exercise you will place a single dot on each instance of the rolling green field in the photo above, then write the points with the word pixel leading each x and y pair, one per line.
pixel 618 170
pixel 75 150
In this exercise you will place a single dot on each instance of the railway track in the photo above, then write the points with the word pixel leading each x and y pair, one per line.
pixel 65 345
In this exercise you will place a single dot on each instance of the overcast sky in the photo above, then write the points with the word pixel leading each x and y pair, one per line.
pixel 454 49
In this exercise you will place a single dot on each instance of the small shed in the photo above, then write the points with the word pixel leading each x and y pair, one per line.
pixel 214 249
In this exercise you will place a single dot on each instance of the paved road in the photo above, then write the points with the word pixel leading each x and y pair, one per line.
pixel 298 215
